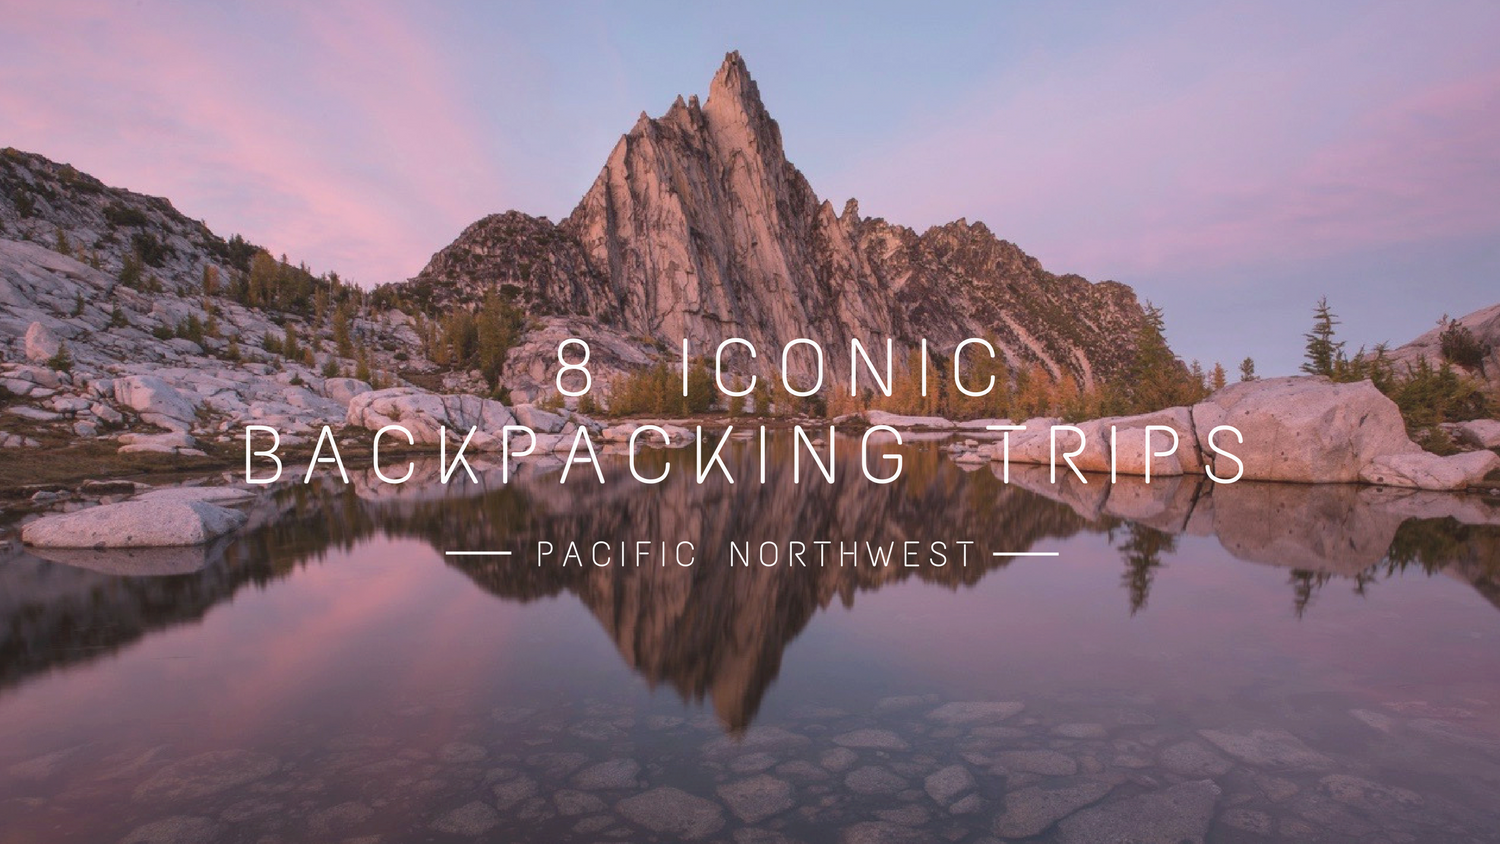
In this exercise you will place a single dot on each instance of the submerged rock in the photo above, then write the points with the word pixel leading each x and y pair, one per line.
pixel 325 823
pixel 614 774
pixel 1271 748
pixel 570 803
pixel 1176 815
pixel 871 739
pixel 205 774
pixel 134 524
pixel 513 791
pixel 136 562
pixel 672 811
pixel 1370 796
pixel 838 759
pixel 1191 759
pixel 874 779
pixel 962 713
pixel 1030 811
pixel 946 785
pixel 757 798
pixel 884 832
pixel 1048 763
pixel 471 819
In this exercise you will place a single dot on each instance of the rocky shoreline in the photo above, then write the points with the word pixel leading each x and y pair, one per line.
pixel 1296 430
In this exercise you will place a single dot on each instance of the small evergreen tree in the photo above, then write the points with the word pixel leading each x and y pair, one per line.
pixel 1459 345
pixel 1157 378
pixel 1247 369
pixel 1322 352
pixel 289 344
pixel 1217 378
pixel 62 361
pixel 130 271
pixel 362 365
pixel 341 321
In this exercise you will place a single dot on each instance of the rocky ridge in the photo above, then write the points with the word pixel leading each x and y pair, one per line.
pixel 86 356
pixel 1483 325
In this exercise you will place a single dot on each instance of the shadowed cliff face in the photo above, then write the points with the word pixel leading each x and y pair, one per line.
pixel 699 227
pixel 714 632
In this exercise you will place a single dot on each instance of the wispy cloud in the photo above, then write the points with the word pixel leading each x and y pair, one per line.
pixel 1214 142
pixel 335 133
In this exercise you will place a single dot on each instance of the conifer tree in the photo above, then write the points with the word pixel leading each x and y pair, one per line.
pixel 1323 353
pixel 1157 379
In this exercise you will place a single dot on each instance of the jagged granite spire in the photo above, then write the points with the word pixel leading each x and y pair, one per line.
pixel 698 226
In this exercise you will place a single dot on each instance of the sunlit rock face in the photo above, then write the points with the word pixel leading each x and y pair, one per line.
pixel 699 227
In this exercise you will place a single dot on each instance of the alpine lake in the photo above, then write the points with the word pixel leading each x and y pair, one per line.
pixel 1197 662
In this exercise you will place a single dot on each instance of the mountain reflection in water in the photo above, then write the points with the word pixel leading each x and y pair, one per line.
pixel 714 632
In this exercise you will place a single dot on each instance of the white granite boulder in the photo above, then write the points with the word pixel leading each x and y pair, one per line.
pixel 1303 429
pixel 539 420
pixel 41 343
pixel 1430 471
pixel 134 524
pixel 427 414
pixel 157 402
pixel 908 423
pixel 1479 433
pixel 343 390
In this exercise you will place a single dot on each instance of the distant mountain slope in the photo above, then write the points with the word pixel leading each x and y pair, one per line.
pixel 1483 325
pixel 40 198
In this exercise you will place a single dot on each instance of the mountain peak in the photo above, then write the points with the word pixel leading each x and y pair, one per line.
pixel 733 85
pixel 699 227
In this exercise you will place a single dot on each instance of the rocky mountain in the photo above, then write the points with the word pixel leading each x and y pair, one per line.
pixel 109 330
pixel 1482 326
pixel 698 226
pixel 65 209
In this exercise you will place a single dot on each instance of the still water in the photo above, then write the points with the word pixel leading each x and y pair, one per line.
pixel 1247 663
